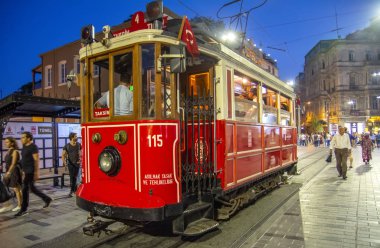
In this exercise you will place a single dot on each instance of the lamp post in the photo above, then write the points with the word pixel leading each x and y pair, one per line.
pixel 327 110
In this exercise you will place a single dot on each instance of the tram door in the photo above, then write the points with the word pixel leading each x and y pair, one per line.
pixel 197 134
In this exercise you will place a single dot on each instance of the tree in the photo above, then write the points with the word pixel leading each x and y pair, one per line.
pixel 316 125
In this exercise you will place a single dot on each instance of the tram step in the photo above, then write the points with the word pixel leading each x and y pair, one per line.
pixel 199 227
pixel 197 207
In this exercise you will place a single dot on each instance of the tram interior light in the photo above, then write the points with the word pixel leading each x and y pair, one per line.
pixel 87 34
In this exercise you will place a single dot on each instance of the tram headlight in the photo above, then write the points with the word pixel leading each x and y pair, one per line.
pixel 109 161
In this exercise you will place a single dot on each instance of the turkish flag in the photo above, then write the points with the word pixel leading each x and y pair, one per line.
pixel 188 37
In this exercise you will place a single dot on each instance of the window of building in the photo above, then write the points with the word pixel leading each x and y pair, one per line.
pixel 375 78
pixel 374 102
pixel 323 64
pixel 352 104
pixel 367 55
pixel 352 81
pixel 76 65
pixel 378 55
pixel 351 56
pixel 62 71
pixel 327 106
pixel 48 76
pixel 95 72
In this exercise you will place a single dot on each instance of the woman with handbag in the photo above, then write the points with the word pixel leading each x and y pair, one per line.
pixel 12 176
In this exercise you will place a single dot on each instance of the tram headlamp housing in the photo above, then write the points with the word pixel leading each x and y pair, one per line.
pixel 87 34
pixel 109 161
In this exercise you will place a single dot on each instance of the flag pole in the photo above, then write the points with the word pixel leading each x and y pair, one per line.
pixel 181 28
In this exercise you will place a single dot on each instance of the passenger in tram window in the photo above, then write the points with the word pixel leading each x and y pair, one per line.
pixel 284 106
pixel 252 94
pixel 123 97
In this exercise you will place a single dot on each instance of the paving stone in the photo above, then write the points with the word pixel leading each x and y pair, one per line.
pixel 337 213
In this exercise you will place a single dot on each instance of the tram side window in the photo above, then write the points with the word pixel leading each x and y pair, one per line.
pixel 285 110
pixel 246 103
pixel 166 91
pixel 123 85
pixel 148 80
pixel 100 87
pixel 270 105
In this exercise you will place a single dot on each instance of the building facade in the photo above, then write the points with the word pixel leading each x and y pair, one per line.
pixel 342 81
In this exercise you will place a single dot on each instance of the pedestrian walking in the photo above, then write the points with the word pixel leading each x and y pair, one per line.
pixel 328 139
pixel 12 176
pixel 378 139
pixel 71 155
pixel 353 144
pixel 30 166
pixel 341 145
pixel 367 147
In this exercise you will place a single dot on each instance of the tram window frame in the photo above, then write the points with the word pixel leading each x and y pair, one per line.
pixel 171 84
pixel 246 98
pixel 111 84
pixel 91 77
pixel 285 110
pixel 270 105
pixel 151 79
pixel 131 82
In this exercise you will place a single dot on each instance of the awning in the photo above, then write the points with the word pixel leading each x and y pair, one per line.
pixel 17 105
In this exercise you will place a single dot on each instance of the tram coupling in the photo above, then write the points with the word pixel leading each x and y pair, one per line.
pixel 97 227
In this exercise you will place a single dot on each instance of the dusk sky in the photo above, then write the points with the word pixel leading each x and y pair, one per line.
pixel 286 29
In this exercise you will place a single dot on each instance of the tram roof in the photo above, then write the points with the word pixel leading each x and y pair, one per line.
pixel 18 105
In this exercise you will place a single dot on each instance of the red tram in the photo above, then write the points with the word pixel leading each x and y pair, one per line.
pixel 205 132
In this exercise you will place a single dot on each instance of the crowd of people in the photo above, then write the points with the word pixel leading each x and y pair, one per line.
pixel 323 139
pixel 22 170
pixel 341 144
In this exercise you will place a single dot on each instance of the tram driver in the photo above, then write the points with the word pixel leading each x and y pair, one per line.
pixel 123 97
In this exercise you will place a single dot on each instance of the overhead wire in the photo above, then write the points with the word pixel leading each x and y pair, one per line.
pixel 308 20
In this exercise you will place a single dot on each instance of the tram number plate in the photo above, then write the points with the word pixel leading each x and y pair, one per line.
pixel 155 140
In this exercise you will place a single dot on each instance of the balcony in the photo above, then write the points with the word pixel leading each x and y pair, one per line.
pixel 374 112
pixel 355 112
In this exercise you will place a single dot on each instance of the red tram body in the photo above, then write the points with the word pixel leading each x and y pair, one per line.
pixel 185 152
